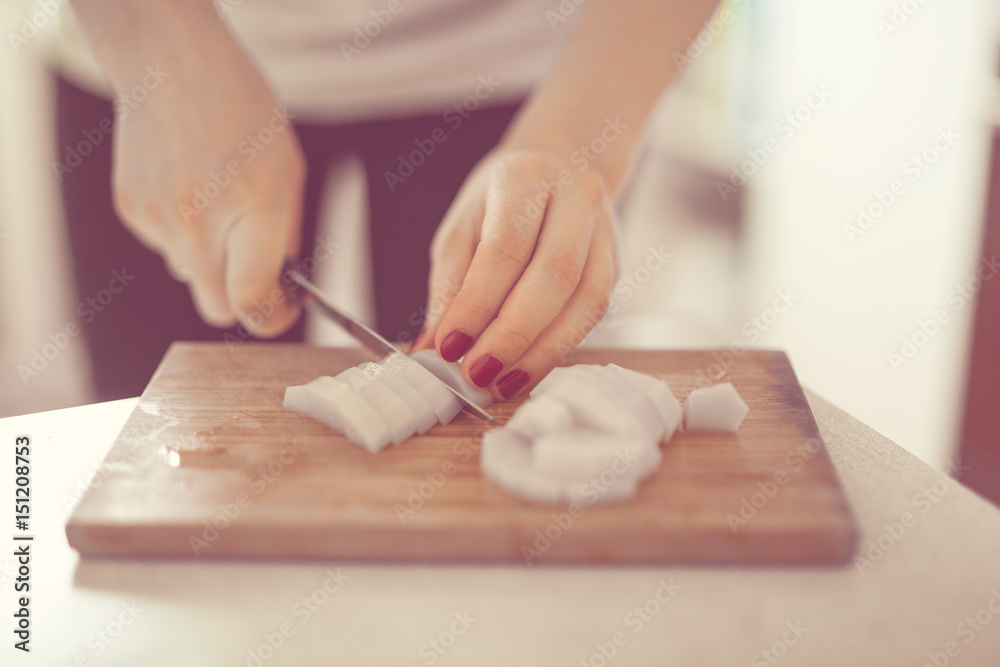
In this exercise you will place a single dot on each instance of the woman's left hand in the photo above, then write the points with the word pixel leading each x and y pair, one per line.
pixel 522 268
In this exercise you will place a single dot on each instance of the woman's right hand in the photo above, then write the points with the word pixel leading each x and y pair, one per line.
pixel 207 169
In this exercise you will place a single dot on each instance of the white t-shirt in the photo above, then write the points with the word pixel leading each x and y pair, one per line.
pixel 344 60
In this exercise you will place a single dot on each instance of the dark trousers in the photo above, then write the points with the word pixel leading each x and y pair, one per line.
pixel 128 335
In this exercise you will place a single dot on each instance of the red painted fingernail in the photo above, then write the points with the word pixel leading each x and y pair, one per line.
pixel 485 369
pixel 455 345
pixel 512 383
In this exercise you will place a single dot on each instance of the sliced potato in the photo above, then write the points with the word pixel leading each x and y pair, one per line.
pixel 451 374
pixel 539 416
pixel 423 414
pixel 715 408
pixel 330 401
pixel 444 403
pixel 397 415
pixel 583 454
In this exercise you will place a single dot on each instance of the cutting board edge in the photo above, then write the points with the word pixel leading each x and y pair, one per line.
pixel 833 548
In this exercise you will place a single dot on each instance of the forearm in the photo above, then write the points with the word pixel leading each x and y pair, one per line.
pixel 183 36
pixel 614 67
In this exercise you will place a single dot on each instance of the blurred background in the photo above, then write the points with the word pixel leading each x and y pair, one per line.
pixel 767 176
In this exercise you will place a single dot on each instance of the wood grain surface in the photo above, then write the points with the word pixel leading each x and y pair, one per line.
pixel 210 465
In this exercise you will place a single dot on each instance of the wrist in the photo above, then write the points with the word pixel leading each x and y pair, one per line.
pixel 183 37
pixel 602 146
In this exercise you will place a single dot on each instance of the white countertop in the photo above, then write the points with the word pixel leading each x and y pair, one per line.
pixel 920 598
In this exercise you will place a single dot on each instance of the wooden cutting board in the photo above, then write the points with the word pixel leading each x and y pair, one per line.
pixel 210 465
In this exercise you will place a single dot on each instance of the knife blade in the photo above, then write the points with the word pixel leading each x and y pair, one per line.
pixel 367 336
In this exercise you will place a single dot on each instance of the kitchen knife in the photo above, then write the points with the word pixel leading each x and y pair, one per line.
pixel 364 334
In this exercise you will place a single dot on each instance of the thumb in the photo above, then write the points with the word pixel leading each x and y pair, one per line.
pixel 254 261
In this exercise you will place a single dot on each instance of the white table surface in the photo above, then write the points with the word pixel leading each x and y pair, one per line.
pixel 903 610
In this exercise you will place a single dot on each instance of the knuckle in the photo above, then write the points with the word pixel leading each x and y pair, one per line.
pixel 597 296
pixel 591 186
pixel 535 164
pixel 520 217
pixel 528 164
pixel 150 213
pixel 466 311
pixel 509 251
pixel 513 339
pixel 601 300
pixel 272 185
pixel 553 353
pixel 562 268
pixel 472 309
